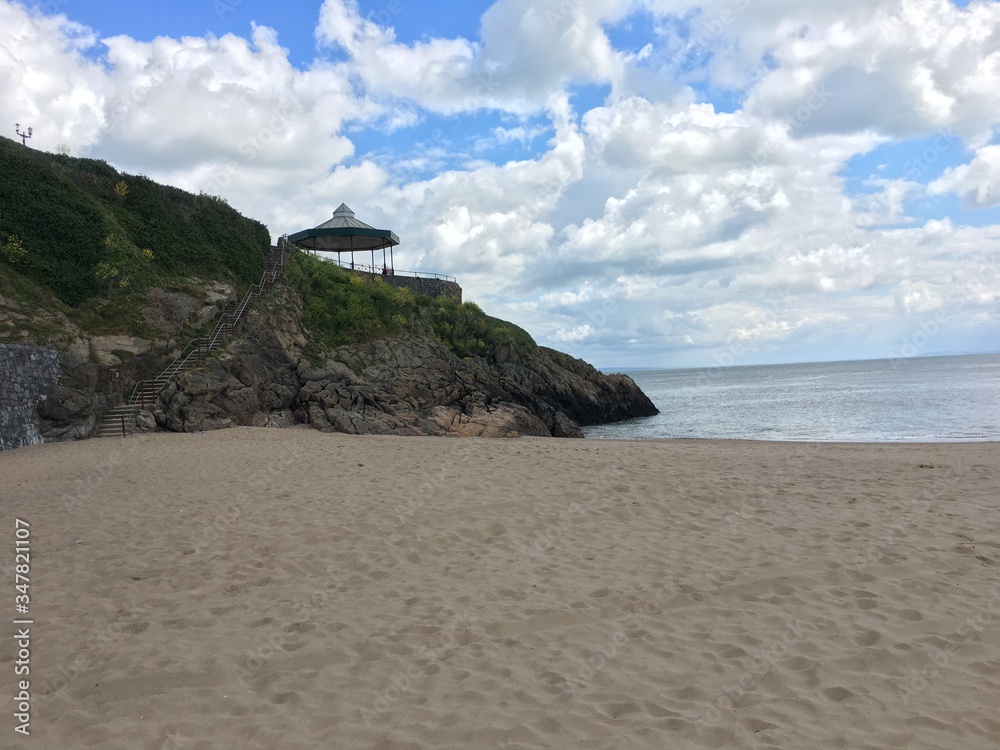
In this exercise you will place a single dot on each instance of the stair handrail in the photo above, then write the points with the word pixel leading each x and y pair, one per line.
pixel 274 268
pixel 267 280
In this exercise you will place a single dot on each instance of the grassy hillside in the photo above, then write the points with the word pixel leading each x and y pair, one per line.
pixel 81 244
pixel 82 230
pixel 341 308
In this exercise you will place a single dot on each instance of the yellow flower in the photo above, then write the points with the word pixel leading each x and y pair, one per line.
pixel 13 251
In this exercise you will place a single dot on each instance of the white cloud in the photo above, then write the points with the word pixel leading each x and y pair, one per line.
pixel 46 82
pixel 901 69
pixel 655 228
pixel 977 183
pixel 527 50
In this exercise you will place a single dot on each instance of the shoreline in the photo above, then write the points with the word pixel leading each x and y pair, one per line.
pixel 291 588
pixel 785 441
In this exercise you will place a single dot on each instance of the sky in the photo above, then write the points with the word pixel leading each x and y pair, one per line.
pixel 640 183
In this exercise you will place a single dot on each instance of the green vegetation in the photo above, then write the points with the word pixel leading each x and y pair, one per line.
pixel 82 243
pixel 340 307
pixel 82 230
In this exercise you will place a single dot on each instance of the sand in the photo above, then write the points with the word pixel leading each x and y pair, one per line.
pixel 255 588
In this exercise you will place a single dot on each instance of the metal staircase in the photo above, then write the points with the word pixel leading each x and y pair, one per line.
pixel 119 421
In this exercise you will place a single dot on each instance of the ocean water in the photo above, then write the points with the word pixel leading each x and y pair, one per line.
pixel 920 399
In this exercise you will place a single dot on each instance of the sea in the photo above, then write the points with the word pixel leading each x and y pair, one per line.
pixel 925 399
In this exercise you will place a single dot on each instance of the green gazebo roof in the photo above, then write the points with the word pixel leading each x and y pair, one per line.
pixel 343 234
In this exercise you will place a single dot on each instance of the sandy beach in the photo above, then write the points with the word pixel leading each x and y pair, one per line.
pixel 253 588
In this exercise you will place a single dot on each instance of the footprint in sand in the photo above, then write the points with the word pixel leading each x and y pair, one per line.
pixel 837 694
pixel 866 599
pixel 798 663
pixel 757 725
pixel 868 638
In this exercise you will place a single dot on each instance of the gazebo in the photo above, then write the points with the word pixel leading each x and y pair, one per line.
pixel 345 234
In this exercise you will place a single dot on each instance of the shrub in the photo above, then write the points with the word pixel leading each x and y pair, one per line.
pixel 13 250
pixel 65 209
pixel 342 307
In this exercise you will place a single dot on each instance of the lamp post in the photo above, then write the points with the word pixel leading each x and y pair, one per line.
pixel 24 135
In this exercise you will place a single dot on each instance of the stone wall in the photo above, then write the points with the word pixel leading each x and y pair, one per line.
pixel 417 285
pixel 430 287
pixel 28 374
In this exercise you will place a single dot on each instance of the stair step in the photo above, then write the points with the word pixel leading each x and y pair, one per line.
pixel 149 389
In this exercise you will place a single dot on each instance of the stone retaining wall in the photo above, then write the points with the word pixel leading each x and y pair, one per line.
pixel 28 374
pixel 430 287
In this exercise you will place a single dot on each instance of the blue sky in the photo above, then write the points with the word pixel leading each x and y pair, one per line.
pixel 638 182
pixel 295 22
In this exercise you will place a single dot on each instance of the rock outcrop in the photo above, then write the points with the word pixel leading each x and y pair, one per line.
pixel 403 386
pixel 95 370
pixel 412 386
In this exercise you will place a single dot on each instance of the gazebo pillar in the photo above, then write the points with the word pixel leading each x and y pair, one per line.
pixel 344 233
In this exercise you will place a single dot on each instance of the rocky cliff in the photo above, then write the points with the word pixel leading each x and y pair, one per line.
pixel 94 369
pixel 109 275
pixel 409 385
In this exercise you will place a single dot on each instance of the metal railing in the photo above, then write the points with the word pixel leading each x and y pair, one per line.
pixel 200 347
pixel 378 270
